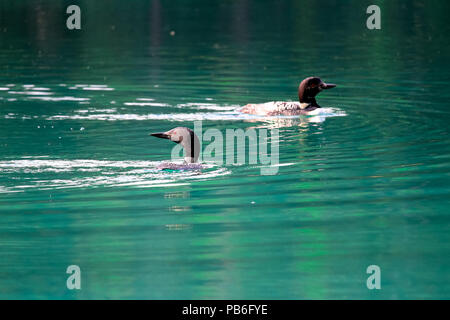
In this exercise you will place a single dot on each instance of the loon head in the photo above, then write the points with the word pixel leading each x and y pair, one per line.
pixel 310 87
pixel 187 138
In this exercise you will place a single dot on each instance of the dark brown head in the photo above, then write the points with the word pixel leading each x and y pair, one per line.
pixel 310 87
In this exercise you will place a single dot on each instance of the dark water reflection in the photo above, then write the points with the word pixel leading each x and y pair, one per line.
pixel 367 182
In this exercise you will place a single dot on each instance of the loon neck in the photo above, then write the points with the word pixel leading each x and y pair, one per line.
pixel 188 160
pixel 308 100
pixel 191 147
pixel 310 104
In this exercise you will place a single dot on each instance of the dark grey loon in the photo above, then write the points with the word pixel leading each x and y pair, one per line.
pixel 307 91
pixel 191 145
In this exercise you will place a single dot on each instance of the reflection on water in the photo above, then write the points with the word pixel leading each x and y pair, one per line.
pixel 364 181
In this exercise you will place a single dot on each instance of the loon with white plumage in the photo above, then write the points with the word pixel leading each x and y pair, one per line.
pixel 190 143
pixel 307 91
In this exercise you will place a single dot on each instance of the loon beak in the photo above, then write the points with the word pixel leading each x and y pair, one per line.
pixel 328 85
pixel 162 135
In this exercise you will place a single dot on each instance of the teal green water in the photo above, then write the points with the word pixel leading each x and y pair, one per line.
pixel 366 183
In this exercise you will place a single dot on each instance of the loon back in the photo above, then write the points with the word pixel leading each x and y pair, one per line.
pixel 169 166
pixel 277 108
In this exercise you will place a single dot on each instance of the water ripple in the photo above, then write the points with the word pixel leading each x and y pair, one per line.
pixel 49 174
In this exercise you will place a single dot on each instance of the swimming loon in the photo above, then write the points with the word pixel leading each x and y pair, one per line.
pixel 190 143
pixel 307 91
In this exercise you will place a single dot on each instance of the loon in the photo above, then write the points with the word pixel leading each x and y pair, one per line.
pixel 190 143
pixel 307 91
